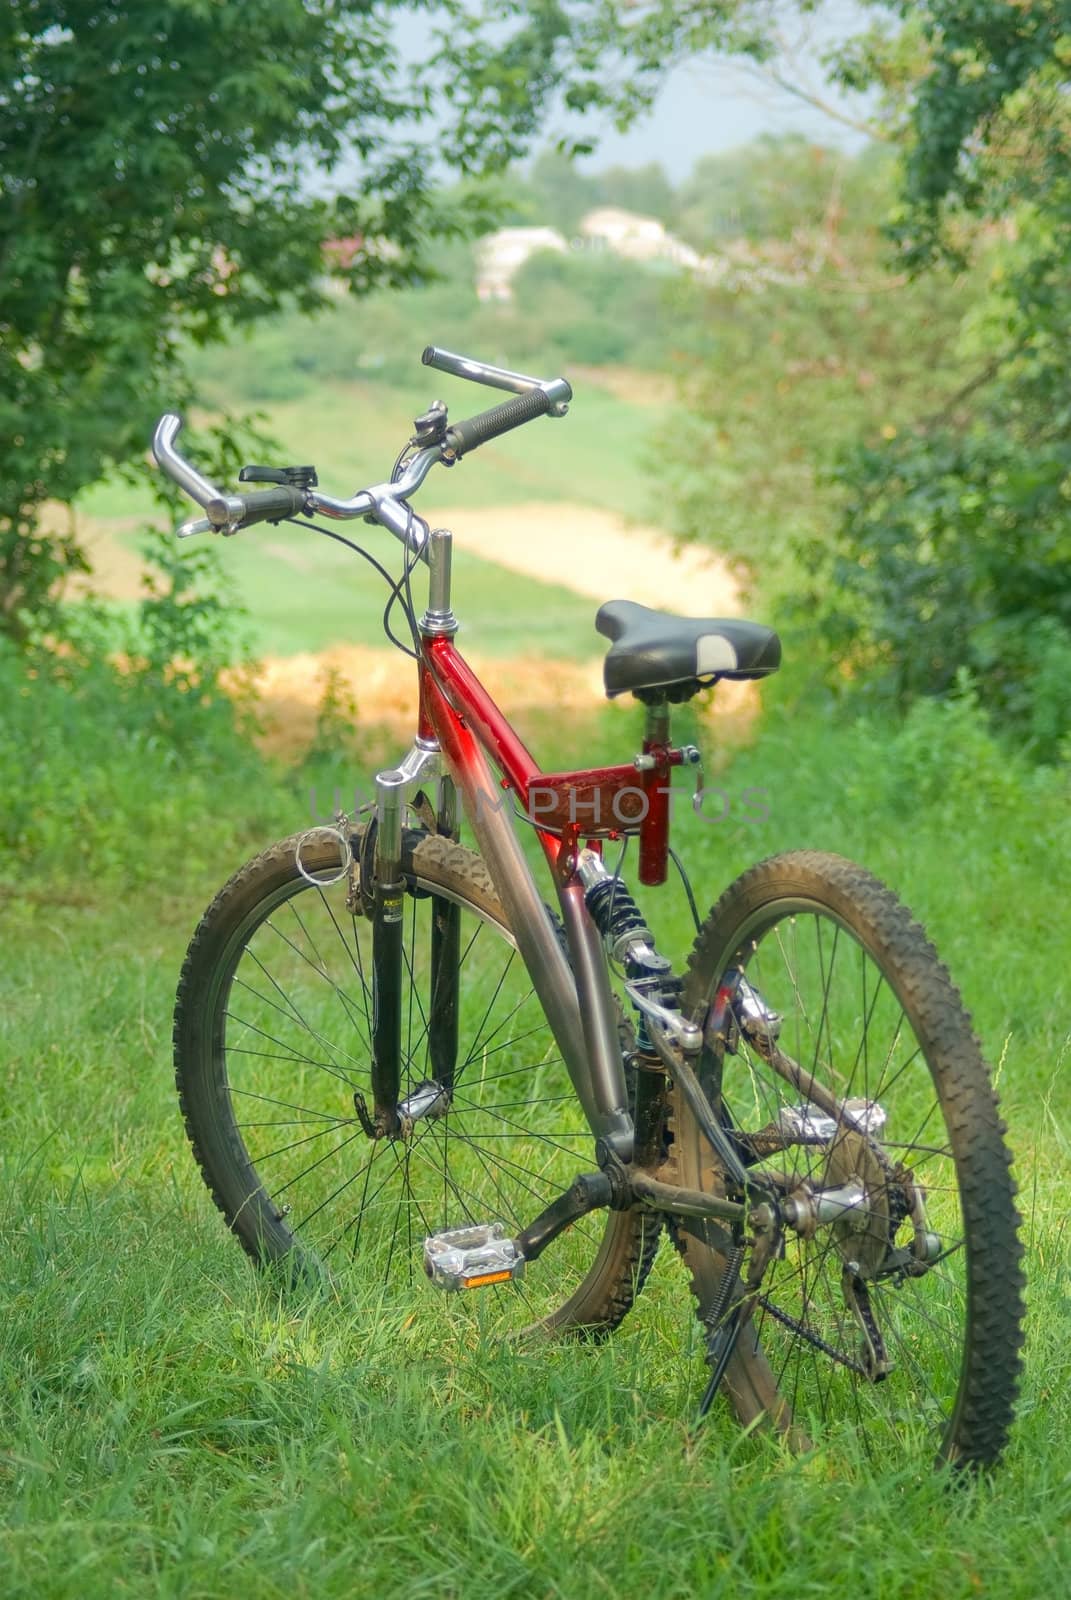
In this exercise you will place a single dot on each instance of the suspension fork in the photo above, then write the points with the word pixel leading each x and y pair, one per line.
pixel 387 958
pixel 445 958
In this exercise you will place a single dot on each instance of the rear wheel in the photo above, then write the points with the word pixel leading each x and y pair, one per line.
pixel 272 1056
pixel 901 1324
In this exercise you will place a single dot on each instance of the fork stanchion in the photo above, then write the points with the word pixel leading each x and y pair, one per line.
pixel 387 964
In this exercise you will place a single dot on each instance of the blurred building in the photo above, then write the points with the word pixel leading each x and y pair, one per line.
pixel 636 238
pixel 500 255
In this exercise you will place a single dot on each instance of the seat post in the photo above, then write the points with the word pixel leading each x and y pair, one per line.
pixel 656 724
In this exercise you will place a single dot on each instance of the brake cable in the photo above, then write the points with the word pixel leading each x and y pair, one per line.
pixel 394 585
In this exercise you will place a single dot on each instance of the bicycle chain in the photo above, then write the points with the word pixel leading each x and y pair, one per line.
pixel 811 1337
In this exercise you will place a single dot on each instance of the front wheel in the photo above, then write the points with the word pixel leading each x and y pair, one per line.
pixel 273 1056
pixel 899 1325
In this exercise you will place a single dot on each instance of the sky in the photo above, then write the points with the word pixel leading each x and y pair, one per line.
pixel 712 103
pixel 707 107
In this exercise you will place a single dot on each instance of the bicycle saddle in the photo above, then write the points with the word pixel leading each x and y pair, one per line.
pixel 662 657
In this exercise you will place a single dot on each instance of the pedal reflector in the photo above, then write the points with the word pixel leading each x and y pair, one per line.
pixel 472 1258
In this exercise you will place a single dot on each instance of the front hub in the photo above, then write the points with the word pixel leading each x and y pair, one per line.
pixel 428 1101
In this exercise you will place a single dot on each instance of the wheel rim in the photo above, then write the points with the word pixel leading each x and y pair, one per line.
pixel 290 1028
pixel 843 1021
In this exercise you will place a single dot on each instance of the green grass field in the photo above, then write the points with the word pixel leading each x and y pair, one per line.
pixel 173 1426
pixel 303 592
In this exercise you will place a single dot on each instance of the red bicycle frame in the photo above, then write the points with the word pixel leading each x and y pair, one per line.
pixel 593 802
pixel 459 718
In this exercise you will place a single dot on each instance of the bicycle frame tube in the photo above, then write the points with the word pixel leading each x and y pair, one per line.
pixel 592 803
pixel 465 720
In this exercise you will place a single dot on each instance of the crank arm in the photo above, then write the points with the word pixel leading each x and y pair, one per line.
pixel 475 1256
pixel 593 1190
pixel 760 1025
pixel 722 1343
pixel 876 1362
pixel 588 1192
pixel 732 1307
pixel 811 1088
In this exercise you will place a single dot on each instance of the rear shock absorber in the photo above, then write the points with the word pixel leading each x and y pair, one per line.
pixel 626 936
pixel 629 941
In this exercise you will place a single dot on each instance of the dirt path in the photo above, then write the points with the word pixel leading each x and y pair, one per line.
pixel 578 547
pixel 592 552
pixel 598 554
pixel 533 691
pixel 581 548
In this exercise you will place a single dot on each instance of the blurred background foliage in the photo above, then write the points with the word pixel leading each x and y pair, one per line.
pixel 874 402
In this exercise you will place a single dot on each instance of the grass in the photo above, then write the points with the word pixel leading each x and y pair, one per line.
pixel 594 456
pixel 302 592
pixel 170 1425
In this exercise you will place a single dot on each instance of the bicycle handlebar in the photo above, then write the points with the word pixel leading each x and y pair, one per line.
pixel 385 503
pixel 225 513
pixel 557 390
pixel 264 505
pixel 186 476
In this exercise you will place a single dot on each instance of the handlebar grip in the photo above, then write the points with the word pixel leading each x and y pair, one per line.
pixel 267 505
pixel 474 431
pixel 271 505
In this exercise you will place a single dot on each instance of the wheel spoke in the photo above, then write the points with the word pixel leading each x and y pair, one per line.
pixel 287 1093
pixel 851 975
pixel 295 1056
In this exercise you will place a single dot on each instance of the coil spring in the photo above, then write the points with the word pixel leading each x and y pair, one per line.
pixel 618 918
pixel 614 912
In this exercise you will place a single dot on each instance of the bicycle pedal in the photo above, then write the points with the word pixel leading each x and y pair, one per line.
pixel 472 1258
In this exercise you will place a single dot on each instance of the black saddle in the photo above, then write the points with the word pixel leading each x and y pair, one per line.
pixel 661 657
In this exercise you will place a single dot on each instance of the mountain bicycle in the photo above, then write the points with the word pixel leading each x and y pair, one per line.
pixel 399 1059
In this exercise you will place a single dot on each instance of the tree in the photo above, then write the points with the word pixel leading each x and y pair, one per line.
pixel 557 193
pixel 646 190
pixel 955 551
pixel 802 342
pixel 777 186
pixel 168 170
pixel 613 54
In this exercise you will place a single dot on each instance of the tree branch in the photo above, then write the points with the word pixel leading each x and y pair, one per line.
pixel 985 375
pixel 811 98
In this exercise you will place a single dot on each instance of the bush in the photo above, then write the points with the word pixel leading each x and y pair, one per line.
pixel 954 554
pixel 112 774
pixel 120 751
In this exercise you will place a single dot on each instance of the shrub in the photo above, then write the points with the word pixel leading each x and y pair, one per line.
pixel 954 554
